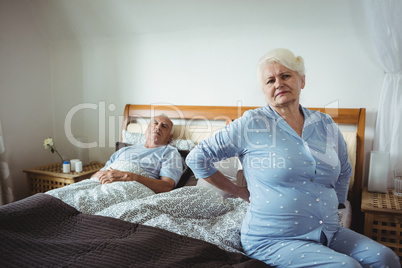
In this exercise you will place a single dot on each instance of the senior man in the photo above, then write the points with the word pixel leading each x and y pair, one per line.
pixel 159 163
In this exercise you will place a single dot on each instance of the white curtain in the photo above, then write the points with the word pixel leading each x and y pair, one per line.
pixel 6 186
pixel 385 25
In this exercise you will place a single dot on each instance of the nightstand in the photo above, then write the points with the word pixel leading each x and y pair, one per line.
pixel 383 219
pixel 44 178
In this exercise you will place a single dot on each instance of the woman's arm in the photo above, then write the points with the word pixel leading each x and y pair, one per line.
pixel 222 182
pixel 342 184
pixel 224 144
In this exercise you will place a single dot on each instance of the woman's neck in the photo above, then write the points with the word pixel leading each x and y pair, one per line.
pixel 293 116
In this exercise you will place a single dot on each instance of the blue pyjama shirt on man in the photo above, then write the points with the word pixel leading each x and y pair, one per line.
pixel 156 162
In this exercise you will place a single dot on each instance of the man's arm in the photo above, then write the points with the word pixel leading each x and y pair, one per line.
pixel 164 184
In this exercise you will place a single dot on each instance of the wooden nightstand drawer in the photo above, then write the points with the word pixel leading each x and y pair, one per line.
pixel 48 177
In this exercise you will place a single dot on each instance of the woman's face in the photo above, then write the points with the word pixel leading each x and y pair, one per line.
pixel 281 85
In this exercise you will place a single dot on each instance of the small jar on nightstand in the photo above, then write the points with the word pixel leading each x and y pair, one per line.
pixel 398 182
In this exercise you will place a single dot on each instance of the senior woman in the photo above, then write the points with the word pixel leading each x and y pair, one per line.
pixel 297 169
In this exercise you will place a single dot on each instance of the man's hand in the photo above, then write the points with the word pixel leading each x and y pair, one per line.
pixel 112 175
pixel 163 184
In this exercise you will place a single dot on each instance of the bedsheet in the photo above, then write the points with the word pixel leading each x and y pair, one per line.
pixel 345 215
pixel 43 231
pixel 196 212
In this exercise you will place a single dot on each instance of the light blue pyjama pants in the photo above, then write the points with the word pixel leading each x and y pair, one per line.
pixel 347 249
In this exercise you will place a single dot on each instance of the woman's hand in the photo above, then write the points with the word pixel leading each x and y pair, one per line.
pixel 222 182
pixel 243 193
pixel 112 175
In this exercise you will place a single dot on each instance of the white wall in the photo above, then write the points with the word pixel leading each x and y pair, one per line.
pixel 118 52
pixel 26 102
pixel 216 65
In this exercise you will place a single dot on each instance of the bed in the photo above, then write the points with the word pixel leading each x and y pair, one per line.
pixel 197 123
pixel 126 224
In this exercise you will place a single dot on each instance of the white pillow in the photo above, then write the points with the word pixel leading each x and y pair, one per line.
pixel 133 138
pixel 192 132
pixel 139 138
pixel 185 145
pixel 204 183
pixel 351 143
pixel 228 166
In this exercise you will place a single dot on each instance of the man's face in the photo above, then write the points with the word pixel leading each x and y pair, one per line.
pixel 159 130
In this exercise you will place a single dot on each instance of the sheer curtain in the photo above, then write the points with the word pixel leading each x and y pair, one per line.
pixel 385 25
pixel 6 188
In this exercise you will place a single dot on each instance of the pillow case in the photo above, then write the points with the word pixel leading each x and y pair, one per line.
pixel 204 183
pixel 191 131
pixel 139 138
pixel 228 166
pixel 351 144
pixel 132 137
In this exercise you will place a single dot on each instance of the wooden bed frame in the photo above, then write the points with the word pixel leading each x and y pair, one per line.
pixel 342 116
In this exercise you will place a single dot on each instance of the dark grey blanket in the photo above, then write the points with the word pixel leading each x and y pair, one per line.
pixel 42 231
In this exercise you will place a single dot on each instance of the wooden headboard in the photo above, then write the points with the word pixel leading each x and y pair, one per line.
pixel 347 116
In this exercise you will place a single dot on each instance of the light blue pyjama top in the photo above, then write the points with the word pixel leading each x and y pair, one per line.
pixel 295 183
pixel 156 162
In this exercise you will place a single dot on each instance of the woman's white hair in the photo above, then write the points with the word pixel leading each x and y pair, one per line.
pixel 283 56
